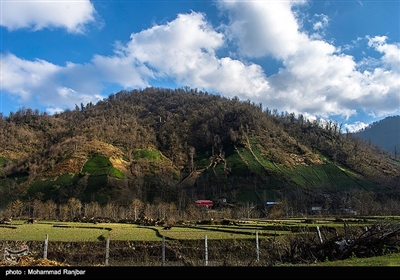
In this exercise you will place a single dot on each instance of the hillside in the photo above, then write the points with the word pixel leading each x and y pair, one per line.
pixel 175 146
pixel 384 133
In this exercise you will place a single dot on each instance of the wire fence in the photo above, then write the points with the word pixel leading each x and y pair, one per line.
pixel 205 252
pixel 306 247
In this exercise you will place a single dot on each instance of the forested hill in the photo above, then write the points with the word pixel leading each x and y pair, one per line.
pixel 384 133
pixel 178 145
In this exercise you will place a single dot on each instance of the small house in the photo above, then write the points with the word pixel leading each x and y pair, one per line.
pixel 204 203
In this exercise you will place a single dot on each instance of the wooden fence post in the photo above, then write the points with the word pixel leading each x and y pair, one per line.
pixel 257 247
pixel 163 251
pixel 107 250
pixel 206 249
pixel 46 244
pixel 319 235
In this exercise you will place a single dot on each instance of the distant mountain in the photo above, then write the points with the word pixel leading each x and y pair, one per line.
pixel 384 133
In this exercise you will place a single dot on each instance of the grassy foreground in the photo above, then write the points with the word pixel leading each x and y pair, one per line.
pixel 87 232
pixel 385 260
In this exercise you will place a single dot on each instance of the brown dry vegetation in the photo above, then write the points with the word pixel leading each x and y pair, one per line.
pixel 29 261
pixel 211 147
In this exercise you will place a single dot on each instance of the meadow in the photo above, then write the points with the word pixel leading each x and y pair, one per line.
pixel 191 230
pixel 251 229
pixel 83 232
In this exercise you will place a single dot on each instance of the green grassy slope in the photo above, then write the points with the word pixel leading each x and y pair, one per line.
pixel 249 162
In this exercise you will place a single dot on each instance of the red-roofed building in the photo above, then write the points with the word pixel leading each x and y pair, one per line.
pixel 204 203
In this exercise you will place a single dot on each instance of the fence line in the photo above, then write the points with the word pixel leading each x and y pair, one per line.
pixel 172 252
pixel 304 247
pixel 181 248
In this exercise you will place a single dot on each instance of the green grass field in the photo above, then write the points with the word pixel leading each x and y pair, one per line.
pixel 19 230
pixel 80 232
pixel 76 231
pixel 385 260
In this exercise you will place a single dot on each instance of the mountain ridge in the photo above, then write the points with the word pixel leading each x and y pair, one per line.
pixel 384 133
pixel 150 145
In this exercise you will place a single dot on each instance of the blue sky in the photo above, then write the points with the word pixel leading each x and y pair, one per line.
pixel 331 60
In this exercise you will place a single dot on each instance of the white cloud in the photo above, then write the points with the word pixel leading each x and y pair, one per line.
pixel 355 126
pixel 123 70
pixel 184 50
pixel 316 78
pixel 177 48
pixel 23 76
pixel 49 84
pixel 36 15
pixel 54 110
pixel 391 52
pixel 263 28
pixel 321 22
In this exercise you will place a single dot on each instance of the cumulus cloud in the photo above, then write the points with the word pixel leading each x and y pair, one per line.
pixel 36 15
pixel 25 77
pixel 47 83
pixel 391 52
pixel 184 50
pixel 178 48
pixel 316 77
pixel 354 127
pixel 263 28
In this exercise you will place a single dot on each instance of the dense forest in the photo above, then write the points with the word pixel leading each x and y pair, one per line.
pixel 148 149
